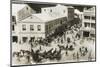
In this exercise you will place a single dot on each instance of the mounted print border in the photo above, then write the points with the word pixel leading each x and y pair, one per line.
pixel 51 33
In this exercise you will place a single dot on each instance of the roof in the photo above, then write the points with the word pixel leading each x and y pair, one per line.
pixel 41 17
pixel 90 9
pixel 59 6
pixel 31 19
pixel 17 7
pixel 77 11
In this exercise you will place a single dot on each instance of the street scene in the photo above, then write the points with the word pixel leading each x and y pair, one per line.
pixel 52 33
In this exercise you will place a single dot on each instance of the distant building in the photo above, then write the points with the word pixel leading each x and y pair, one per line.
pixel 67 11
pixel 89 22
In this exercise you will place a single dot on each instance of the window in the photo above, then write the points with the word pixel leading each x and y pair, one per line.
pixel 64 11
pixel 51 10
pixel 49 26
pixel 39 27
pixel 44 9
pixel 15 39
pixel 31 27
pixel 87 24
pixel 93 25
pixel 13 28
pixel 85 34
pixel 24 39
pixel 93 18
pixel 23 27
pixel 13 19
pixel 32 38
pixel 86 17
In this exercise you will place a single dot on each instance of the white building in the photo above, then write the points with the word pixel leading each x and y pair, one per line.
pixel 42 24
pixel 89 22
pixel 39 25
pixel 58 10
pixel 14 29
pixel 80 14
pixel 25 12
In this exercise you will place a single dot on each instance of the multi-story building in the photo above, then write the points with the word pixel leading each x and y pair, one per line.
pixel 42 24
pixel 67 11
pixel 25 12
pixel 89 22
pixel 14 29
pixel 39 26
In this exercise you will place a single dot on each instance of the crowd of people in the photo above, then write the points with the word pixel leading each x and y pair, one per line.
pixel 54 48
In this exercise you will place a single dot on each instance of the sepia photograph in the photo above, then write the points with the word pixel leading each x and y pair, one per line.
pixel 52 33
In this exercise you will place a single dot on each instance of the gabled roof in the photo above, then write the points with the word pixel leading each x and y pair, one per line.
pixel 41 17
pixel 32 18
pixel 17 7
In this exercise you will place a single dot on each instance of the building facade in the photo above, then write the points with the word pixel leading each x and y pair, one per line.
pixel 33 25
pixel 14 28
pixel 36 27
pixel 67 11
pixel 89 22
